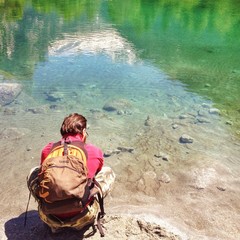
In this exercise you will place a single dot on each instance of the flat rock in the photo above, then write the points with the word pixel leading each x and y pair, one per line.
pixel 202 178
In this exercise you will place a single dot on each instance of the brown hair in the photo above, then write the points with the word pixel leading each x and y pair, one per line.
pixel 73 124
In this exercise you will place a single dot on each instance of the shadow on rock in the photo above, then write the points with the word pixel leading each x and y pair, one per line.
pixel 36 229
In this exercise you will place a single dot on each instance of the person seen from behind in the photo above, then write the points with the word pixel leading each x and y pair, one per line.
pixel 59 213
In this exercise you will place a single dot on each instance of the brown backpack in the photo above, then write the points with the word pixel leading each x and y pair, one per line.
pixel 63 179
pixel 62 186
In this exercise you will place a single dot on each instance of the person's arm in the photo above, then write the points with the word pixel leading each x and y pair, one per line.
pixel 95 160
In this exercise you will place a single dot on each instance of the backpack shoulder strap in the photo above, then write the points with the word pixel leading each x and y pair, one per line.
pixel 80 145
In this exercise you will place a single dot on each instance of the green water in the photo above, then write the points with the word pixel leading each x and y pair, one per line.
pixel 194 42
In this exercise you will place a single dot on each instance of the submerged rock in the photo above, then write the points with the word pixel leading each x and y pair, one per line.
pixel 214 111
pixel 121 106
pixel 36 110
pixel 109 108
pixel 9 92
pixel 165 178
pixel 222 187
pixel 53 96
pixel 202 178
pixel 162 155
pixel 186 139
pixel 202 120
pixel 109 153
pixel 126 149
pixel 175 126
pixel 183 116
pixel 147 122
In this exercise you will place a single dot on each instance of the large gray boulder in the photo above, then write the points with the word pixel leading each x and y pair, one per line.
pixel 9 92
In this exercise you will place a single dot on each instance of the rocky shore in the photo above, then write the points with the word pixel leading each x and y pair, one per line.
pixel 115 227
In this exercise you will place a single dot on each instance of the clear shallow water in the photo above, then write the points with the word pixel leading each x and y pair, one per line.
pixel 160 59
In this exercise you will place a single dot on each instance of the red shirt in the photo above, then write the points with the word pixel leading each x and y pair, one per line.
pixel 95 155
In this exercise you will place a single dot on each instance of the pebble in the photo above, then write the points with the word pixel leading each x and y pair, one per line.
pixel 202 113
pixel 202 120
pixel 109 153
pixel 126 149
pixel 186 139
pixel 165 178
pixel 53 96
pixel 174 126
pixel 229 123
pixel 222 188
pixel 36 110
pixel 124 112
pixel 147 122
pixel 163 156
pixel 183 116
pixel 214 111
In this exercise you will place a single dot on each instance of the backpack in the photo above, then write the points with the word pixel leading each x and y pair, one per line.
pixel 63 184
pixel 63 175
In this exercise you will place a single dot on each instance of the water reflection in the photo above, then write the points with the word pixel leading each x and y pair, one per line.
pixel 194 41
pixel 107 41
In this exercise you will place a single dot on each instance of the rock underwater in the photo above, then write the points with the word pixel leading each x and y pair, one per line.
pixel 9 92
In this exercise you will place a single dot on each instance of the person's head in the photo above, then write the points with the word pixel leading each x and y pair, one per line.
pixel 74 124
